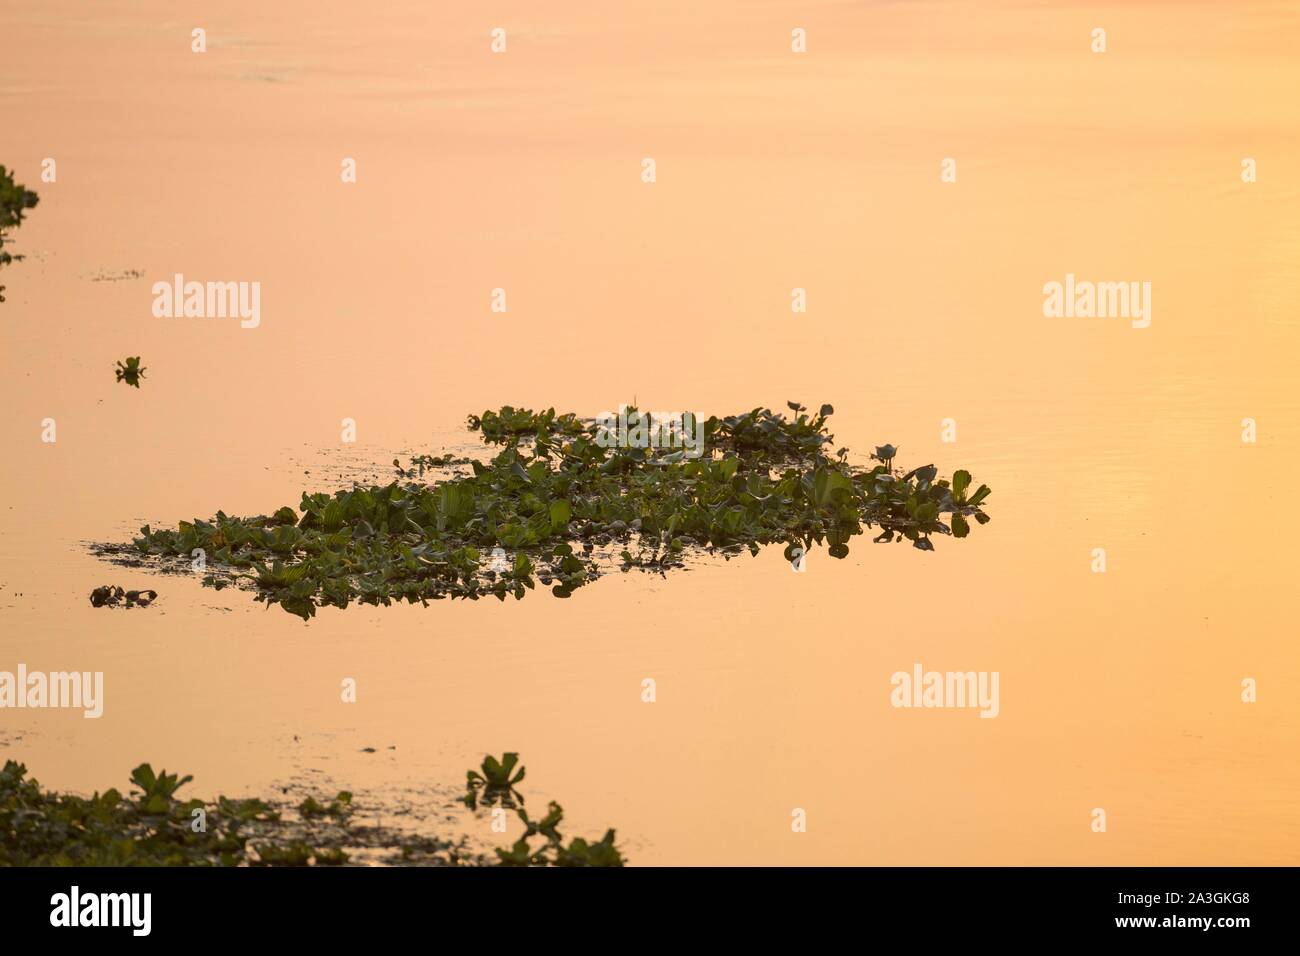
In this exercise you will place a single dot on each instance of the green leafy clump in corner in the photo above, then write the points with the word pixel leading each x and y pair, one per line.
pixel 15 200
pixel 154 827
pixel 498 788
pixel 559 506
pixel 130 371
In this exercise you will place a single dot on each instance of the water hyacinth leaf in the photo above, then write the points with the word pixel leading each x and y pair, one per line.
pixel 561 514
pixel 960 482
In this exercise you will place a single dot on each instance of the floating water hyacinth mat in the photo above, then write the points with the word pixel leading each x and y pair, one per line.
pixel 153 826
pixel 562 503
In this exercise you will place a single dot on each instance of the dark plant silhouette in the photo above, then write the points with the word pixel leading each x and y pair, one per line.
pixel 15 200
pixel 130 371
pixel 496 782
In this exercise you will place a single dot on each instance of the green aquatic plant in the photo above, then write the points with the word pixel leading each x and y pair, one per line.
pixel 157 791
pixel 328 856
pixel 559 505
pixel 130 371
pixel 497 785
pixel 581 853
pixel 552 851
pixel 761 434
pixel 293 854
pixel 421 463
pixel 496 782
pixel 43 828
pixel 511 425
pixel 338 808
pixel 15 200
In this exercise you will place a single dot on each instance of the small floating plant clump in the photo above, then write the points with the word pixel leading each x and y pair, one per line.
pixel 495 786
pixel 151 827
pixel 15 200
pixel 560 505
pixel 130 371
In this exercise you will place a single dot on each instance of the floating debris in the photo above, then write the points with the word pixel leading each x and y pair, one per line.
pixel 118 276
pixel 109 596
pixel 153 826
